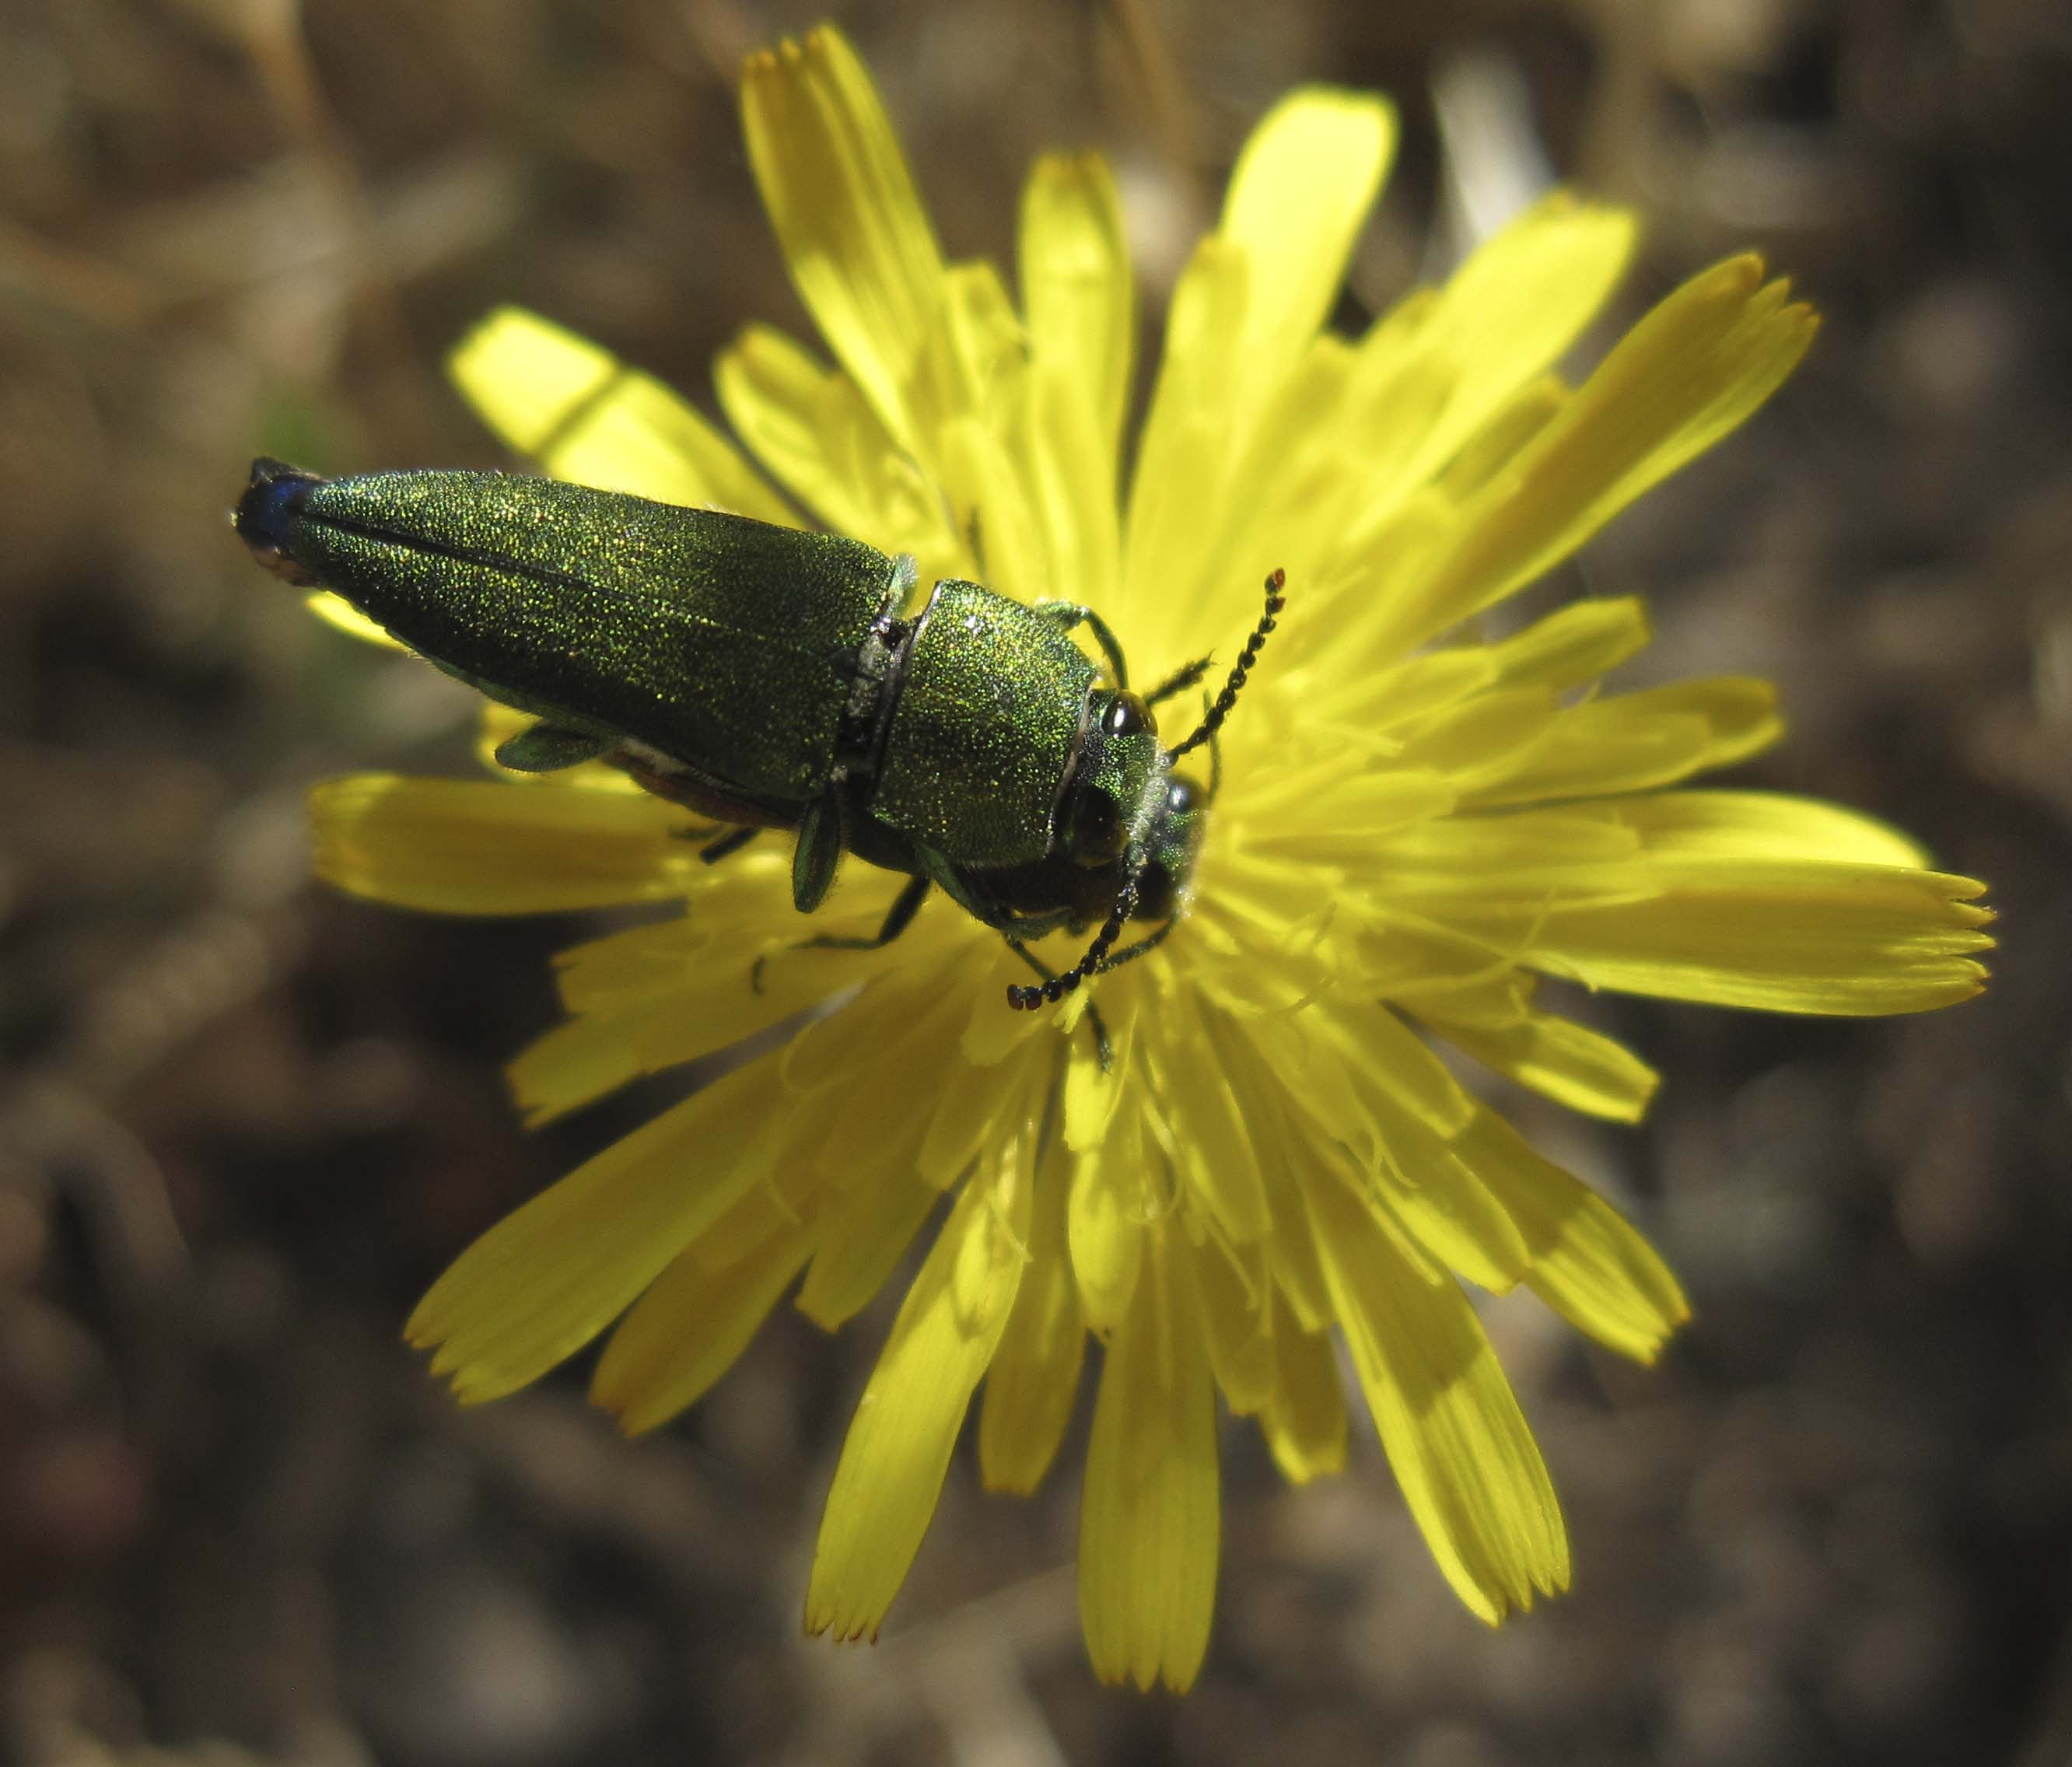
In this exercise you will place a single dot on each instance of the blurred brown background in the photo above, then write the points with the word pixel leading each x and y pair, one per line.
pixel 243 1122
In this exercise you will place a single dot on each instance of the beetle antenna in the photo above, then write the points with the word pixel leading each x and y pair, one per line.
pixel 1023 999
pixel 1142 948
pixel 1242 667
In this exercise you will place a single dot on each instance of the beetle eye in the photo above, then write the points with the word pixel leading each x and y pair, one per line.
pixel 1127 715
pixel 1182 796
pixel 1098 831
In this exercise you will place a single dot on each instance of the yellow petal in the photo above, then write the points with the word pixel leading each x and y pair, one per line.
pixel 1212 1142
pixel 1573 644
pixel 1298 1268
pixel 580 1060
pixel 686 1331
pixel 1631 741
pixel 1760 825
pixel 336 611
pixel 1779 934
pixel 651 997
pixel 855 238
pixel 1520 300
pixel 1149 1516
pixel 858 1069
pixel 1495 1002
pixel 1035 1374
pixel 1105 1220
pixel 1405 958
pixel 978 349
pixel 812 427
pixel 584 415
pixel 1093 1092
pixel 975 400
pixel 1072 473
pixel 984 1104
pixel 1284 497
pixel 1587 1263
pixel 595 1053
pixel 1385 1066
pixel 863 1238
pixel 1184 448
pixel 544 1281
pixel 1076 287
pixel 1338 825
pixel 1500 440
pixel 907 1423
pixel 1687 375
pixel 1422 1185
pixel 464 847
pixel 1523 856
pixel 1469 1468
pixel 731 912
pixel 988 484
pixel 1304 1421
pixel 1484 739
pixel 1235 1290
pixel 1408 691
pixel 1298 196
pixel 1555 1056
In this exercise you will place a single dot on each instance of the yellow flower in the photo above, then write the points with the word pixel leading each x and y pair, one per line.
pixel 1414 825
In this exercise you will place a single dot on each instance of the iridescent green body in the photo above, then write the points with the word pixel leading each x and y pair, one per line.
pixel 768 677
pixel 723 641
pixel 986 730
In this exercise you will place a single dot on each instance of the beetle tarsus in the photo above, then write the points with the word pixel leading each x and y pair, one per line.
pixel 905 905
pixel 722 846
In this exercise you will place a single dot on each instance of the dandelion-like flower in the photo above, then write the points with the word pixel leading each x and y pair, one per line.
pixel 1412 828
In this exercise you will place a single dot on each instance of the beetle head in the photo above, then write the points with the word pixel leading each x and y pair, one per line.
pixel 1119 782
pixel 1170 849
pixel 1159 845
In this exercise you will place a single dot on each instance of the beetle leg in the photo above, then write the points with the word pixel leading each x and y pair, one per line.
pixel 819 846
pixel 545 748
pixel 1066 615
pixel 731 842
pixel 897 918
pixel 951 882
pixel 905 905
pixel 1179 680
pixel 1013 926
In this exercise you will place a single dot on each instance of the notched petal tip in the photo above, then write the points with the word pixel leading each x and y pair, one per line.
pixel 790 52
pixel 1732 278
pixel 819 1621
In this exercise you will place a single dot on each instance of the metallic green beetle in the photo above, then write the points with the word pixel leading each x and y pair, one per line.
pixel 770 678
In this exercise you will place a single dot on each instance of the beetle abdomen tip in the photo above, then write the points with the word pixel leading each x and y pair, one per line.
pixel 267 512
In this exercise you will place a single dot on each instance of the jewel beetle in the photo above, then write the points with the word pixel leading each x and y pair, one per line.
pixel 770 677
